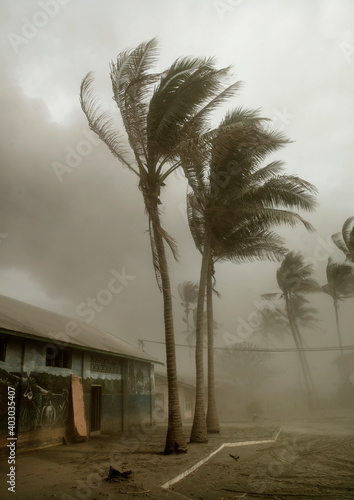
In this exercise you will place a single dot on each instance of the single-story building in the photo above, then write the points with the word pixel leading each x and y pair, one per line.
pixel 186 394
pixel 63 379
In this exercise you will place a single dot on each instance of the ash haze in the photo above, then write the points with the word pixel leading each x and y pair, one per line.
pixel 63 237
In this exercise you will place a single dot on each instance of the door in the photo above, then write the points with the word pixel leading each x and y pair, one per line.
pixel 95 408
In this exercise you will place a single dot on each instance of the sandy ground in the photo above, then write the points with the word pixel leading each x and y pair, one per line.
pixel 311 459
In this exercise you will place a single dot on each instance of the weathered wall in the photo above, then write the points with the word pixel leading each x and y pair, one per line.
pixel 44 401
pixel 139 392
pixel 186 396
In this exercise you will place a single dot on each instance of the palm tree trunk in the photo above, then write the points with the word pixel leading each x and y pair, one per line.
pixel 335 302
pixel 199 428
pixel 314 397
pixel 175 439
pixel 292 323
pixel 212 412
pixel 188 332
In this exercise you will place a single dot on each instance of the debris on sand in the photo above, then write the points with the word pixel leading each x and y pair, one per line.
pixel 117 476
pixel 233 456
pixel 128 486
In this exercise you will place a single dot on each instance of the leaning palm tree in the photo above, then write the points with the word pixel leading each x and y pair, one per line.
pixel 295 280
pixel 340 285
pixel 159 112
pixel 233 202
pixel 345 240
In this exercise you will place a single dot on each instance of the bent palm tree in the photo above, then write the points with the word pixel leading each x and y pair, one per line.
pixel 295 280
pixel 233 202
pixel 340 285
pixel 345 240
pixel 159 111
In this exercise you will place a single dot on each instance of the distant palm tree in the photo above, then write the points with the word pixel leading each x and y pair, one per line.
pixel 271 323
pixel 233 202
pixel 345 240
pixel 306 315
pixel 188 292
pixel 295 279
pixel 340 285
pixel 159 111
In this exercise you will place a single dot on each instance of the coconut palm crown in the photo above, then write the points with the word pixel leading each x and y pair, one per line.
pixel 345 240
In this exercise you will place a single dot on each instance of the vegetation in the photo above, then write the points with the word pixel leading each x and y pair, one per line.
pixel 188 292
pixel 160 111
pixel 233 203
pixel 345 240
pixel 295 281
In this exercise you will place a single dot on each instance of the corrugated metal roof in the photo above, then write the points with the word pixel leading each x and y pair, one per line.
pixel 24 319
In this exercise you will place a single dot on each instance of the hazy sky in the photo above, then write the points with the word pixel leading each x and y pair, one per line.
pixel 64 238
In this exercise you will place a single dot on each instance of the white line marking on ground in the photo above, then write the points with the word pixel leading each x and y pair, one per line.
pixel 196 466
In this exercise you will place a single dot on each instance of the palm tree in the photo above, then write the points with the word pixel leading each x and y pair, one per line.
pixel 295 280
pixel 340 285
pixel 306 315
pixel 233 202
pixel 345 240
pixel 271 323
pixel 188 292
pixel 159 111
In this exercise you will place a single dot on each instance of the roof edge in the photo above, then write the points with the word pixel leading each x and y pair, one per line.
pixel 14 333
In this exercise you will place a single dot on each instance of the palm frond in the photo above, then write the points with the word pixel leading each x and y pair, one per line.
pixel 294 276
pixel 188 291
pixel 340 279
pixel 347 230
pixel 345 240
pixel 190 85
pixel 132 84
pixel 102 124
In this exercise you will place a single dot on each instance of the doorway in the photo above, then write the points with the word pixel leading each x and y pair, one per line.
pixel 95 408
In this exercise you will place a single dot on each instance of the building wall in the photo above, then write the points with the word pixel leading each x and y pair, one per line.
pixel 140 390
pixel 186 396
pixel 117 393
pixel 42 393
pixel 104 372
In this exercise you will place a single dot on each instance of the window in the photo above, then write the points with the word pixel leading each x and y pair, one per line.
pixel 60 358
pixel 2 348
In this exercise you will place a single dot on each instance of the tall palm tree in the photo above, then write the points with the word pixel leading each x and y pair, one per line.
pixel 295 280
pixel 345 240
pixel 233 202
pixel 340 285
pixel 159 112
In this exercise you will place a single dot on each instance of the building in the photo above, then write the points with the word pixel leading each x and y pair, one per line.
pixel 186 394
pixel 69 379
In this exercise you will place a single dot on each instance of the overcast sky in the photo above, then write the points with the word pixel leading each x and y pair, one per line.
pixel 64 238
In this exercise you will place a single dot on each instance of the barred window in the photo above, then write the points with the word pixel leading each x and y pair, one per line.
pixel 3 344
pixel 60 358
pixel 105 364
